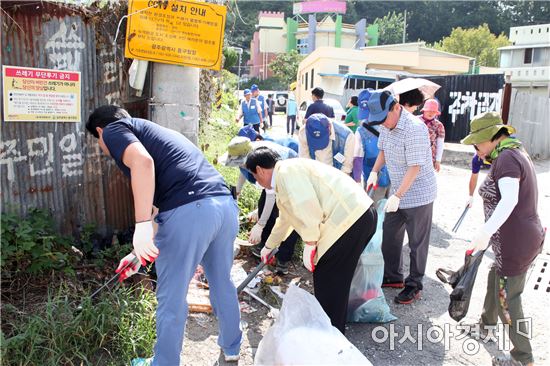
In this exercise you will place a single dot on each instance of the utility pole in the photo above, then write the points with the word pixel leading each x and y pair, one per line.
pixel 405 27
pixel 239 50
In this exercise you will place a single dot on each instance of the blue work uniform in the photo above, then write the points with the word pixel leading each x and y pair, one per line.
pixel 261 101
pixel 370 153
pixel 197 224
pixel 289 142
pixel 250 112
pixel 341 134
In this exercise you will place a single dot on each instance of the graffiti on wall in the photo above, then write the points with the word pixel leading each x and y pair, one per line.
pixel 64 48
pixel 473 103
pixel 40 152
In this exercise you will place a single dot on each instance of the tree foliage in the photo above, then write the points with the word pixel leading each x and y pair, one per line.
pixel 391 28
pixel 478 42
pixel 429 21
pixel 285 66
pixel 231 57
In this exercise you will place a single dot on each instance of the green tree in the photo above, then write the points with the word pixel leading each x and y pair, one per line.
pixel 285 66
pixel 391 28
pixel 478 42
pixel 231 57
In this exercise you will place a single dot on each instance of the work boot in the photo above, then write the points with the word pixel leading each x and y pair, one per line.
pixel 408 295
pixel 231 358
pixel 282 267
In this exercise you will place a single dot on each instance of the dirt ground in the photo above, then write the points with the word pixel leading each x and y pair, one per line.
pixel 435 338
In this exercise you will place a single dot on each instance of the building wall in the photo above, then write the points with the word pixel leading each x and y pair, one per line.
pixel 408 58
pixel 531 34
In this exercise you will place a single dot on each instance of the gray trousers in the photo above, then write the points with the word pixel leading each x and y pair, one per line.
pixel 418 223
pixel 503 299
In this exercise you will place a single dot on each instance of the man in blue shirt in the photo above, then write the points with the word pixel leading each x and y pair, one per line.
pixel 250 111
pixel 197 223
pixel 262 102
pixel 318 106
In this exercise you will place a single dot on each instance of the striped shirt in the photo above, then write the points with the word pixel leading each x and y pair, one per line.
pixel 408 144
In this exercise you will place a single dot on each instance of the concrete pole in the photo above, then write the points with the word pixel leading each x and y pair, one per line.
pixel 175 99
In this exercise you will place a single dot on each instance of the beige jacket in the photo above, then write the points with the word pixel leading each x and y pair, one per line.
pixel 325 156
pixel 317 201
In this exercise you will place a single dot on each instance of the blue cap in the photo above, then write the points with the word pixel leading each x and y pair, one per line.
pixel 254 87
pixel 379 106
pixel 362 100
pixel 248 131
pixel 246 91
pixel 317 131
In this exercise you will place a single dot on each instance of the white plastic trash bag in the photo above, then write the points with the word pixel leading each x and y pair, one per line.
pixel 367 303
pixel 303 335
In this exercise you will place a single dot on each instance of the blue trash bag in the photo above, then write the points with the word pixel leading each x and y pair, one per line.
pixel 367 303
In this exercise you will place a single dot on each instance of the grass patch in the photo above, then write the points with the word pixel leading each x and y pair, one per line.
pixel 119 326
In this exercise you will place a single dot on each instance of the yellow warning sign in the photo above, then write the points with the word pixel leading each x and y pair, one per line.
pixel 176 32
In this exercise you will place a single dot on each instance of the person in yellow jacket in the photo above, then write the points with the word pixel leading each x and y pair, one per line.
pixel 333 215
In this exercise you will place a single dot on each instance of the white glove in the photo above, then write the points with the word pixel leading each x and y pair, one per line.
pixel 308 256
pixel 128 267
pixel 372 180
pixel 144 248
pixel 253 216
pixel 255 235
pixel 470 202
pixel 480 242
pixel 264 254
pixel 392 204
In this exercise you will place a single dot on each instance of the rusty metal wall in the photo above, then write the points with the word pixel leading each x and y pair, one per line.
pixel 57 165
pixel 464 96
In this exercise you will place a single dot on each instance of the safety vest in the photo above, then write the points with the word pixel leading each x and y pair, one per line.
pixel 370 151
pixel 261 100
pixel 250 114
pixel 289 142
pixel 341 134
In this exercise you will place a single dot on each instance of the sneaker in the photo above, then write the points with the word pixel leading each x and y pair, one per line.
pixel 231 358
pixel 479 331
pixel 392 284
pixel 501 361
pixel 408 295
pixel 282 267
pixel 142 362
pixel 256 250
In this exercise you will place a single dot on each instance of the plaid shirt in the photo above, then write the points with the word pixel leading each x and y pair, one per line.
pixel 408 144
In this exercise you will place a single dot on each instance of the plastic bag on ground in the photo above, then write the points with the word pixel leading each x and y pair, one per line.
pixel 303 335
pixel 367 303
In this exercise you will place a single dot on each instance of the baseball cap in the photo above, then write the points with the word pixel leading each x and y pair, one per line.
pixel 248 131
pixel 379 105
pixel 254 87
pixel 317 131
pixel 246 91
pixel 362 101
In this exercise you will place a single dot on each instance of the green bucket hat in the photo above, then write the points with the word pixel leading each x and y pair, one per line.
pixel 237 150
pixel 484 126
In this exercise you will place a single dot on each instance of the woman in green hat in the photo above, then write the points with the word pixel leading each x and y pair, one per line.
pixel 512 227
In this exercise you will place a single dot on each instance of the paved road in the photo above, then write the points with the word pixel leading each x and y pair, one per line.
pixel 427 317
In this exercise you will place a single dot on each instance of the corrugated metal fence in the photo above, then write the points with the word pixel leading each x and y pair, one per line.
pixel 529 114
pixel 464 96
pixel 56 165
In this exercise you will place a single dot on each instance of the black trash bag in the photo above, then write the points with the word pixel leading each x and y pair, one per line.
pixel 462 282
